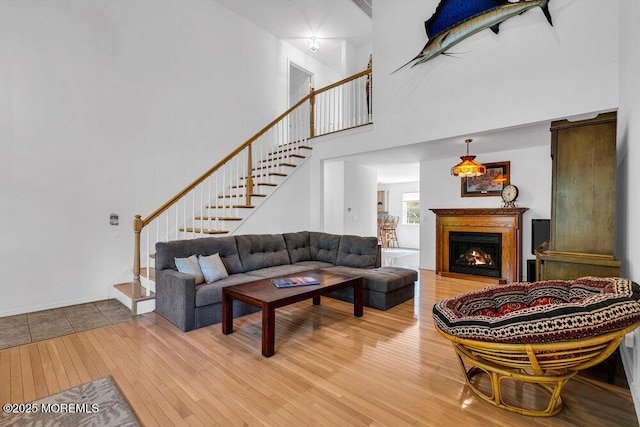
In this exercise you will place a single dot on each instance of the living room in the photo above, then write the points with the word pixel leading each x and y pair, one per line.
pixel 106 112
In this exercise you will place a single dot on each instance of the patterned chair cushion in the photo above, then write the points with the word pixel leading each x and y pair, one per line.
pixel 541 312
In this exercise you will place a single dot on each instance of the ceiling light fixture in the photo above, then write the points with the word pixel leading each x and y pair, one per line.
pixel 314 46
pixel 468 167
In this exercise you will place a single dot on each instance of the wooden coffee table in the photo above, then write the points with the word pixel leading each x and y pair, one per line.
pixel 263 294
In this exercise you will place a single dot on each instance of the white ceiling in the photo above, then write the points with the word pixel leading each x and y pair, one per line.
pixel 295 21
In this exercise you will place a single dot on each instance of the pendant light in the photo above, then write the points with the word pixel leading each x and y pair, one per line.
pixel 314 45
pixel 468 167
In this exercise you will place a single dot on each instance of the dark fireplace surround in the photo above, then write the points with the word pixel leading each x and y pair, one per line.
pixel 475 253
pixel 500 233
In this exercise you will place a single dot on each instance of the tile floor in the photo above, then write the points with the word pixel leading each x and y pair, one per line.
pixel 40 325
pixel 401 257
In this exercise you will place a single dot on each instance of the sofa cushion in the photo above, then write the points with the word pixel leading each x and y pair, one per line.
pixel 541 312
pixel 225 246
pixel 314 264
pixel 190 266
pixel 262 250
pixel 324 247
pixel 298 246
pixel 356 251
pixel 212 268
pixel 382 279
pixel 278 271
pixel 211 293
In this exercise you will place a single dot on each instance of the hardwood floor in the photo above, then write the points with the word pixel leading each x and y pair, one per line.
pixel 330 368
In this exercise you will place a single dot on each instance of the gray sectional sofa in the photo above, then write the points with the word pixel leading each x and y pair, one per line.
pixel 256 256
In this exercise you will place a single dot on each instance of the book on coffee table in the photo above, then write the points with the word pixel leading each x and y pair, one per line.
pixel 288 282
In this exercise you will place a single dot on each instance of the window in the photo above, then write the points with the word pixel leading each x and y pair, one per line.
pixel 411 208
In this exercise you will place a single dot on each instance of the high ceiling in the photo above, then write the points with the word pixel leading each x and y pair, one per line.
pixel 333 21
pixel 295 21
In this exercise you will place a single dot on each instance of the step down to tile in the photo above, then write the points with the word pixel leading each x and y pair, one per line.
pixel 127 289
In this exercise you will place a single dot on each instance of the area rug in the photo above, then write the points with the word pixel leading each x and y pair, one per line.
pixel 96 403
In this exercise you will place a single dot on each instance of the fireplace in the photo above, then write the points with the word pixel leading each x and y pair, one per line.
pixel 493 253
pixel 475 253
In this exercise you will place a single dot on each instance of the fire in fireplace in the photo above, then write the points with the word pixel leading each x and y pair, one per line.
pixel 475 253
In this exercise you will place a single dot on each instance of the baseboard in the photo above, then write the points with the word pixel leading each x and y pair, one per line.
pixel 628 350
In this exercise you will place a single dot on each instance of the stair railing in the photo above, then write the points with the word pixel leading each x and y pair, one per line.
pixel 219 195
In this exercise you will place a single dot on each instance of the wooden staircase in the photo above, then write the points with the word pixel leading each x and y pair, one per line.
pixel 223 197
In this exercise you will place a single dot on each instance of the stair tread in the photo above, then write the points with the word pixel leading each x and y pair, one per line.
pixel 291 165
pixel 280 156
pixel 127 289
pixel 151 275
pixel 264 184
pixel 203 230
pixel 292 147
pixel 219 218
pixel 230 206
pixel 267 174
pixel 231 196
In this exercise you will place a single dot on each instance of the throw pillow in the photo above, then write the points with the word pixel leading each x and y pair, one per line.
pixel 190 266
pixel 212 268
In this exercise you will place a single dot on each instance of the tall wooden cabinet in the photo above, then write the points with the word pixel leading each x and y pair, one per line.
pixel 583 200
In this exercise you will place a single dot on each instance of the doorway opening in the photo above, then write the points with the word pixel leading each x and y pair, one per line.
pixel 300 83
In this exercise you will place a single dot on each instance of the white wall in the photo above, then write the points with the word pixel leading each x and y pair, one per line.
pixel 113 107
pixel 334 197
pixel 628 205
pixel 530 72
pixel 349 198
pixel 360 200
pixel 285 210
pixel 530 172
pixel 408 234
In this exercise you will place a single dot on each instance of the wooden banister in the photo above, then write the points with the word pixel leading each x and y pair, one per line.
pixel 140 223
pixel 238 150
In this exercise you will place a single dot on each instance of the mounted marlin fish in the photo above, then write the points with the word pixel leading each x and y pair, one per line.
pixel 455 20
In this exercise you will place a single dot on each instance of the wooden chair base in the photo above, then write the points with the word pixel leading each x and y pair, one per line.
pixel 548 366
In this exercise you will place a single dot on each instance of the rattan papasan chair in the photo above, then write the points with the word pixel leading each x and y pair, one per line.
pixel 540 333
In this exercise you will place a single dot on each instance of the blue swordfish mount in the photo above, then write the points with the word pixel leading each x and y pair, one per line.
pixel 456 20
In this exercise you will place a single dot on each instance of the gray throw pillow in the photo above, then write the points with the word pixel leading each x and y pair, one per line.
pixel 212 268
pixel 190 266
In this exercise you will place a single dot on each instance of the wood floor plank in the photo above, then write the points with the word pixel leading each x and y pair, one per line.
pixel 80 367
pixel 89 353
pixel 58 365
pixel 388 368
pixel 67 363
pixel 37 366
pixel 28 386
pixel 5 376
pixel 47 368
pixel 17 395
